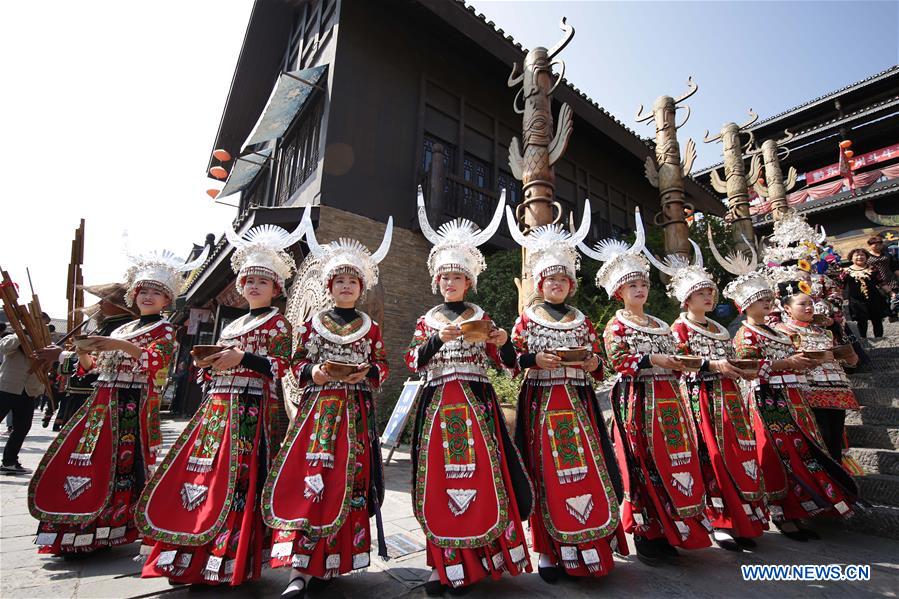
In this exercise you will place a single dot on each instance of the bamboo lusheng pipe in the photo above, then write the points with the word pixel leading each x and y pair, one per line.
pixel 27 332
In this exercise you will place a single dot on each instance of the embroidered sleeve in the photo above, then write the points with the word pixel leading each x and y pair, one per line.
pixel 746 345
pixel 502 356
pixel 525 358
pixel 621 358
pixel 302 363
pixel 280 346
pixel 681 335
pixel 378 357
pixel 595 345
pixel 157 355
pixel 68 363
pixel 420 340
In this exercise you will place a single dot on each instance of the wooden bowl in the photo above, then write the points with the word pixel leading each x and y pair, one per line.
pixel 820 319
pixel 690 362
pixel 85 342
pixel 339 370
pixel 746 364
pixel 843 352
pixel 476 331
pixel 572 356
pixel 201 352
pixel 814 354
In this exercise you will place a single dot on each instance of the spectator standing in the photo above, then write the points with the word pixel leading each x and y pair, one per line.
pixel 18 388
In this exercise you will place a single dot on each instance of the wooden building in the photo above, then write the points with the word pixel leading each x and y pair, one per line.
pixel 867 114
pixel 406 92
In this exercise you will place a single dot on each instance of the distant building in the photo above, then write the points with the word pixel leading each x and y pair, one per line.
pixel 867 114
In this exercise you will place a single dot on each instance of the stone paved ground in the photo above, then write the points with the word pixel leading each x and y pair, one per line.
pixel 705 573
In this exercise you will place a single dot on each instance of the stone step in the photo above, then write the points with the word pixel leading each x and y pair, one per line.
pixel 883 379
pixel 878 437
pixel 876 461
pixel 874 415
pixel 877 396
pixel 880 520
pixel 881 489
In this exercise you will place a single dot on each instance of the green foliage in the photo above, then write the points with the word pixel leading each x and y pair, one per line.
pixel 505 385
pixel 497 293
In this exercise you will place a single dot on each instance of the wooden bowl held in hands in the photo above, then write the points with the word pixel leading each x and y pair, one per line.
pixel 814 354
pixel 339 370
pixel 690 362
pixel 85 342
pixel 476 331
pixel 572 356
pixel 201 354
pixel 746 364
pixel 843 352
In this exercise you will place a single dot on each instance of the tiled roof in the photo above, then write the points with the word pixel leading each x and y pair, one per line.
pixel 891 70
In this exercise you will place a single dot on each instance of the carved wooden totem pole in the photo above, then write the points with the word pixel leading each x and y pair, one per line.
pixel 736 180
pixel 667 171
pixel 541 147
pixel 775 188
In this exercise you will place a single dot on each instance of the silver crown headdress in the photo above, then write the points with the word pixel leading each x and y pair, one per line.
pixel 158 269
pixel 456 243
pixel 551 249
pixel 793 239
pixel 750 285
pixel 685 277
pixel 621 263
pixel 348 256
pixel 260 251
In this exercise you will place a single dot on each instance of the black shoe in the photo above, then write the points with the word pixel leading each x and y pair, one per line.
pixel 459 591
pixel 810 534
pixel 648 551
pixel 729 544
pixel 549 574
pixel 434 588
pixel 745 542
pixel 665 548
pixel 796 535
pixel 14 469
pixel 295 589
pixel 317 584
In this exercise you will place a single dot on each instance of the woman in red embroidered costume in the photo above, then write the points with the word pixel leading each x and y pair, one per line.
pixel 85 489
pixel 470 491
pixel 735 491
pixel 801 480
pixel 560 432
pixel 654 438
pixel 326 480
pixel 216 535
pixel 829 394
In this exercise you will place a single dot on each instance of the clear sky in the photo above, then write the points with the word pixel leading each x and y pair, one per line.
pixel 110 108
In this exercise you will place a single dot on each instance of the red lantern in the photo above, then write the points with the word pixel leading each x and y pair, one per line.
pixel 212 193
pixel 845 144
pixel 221 155
pixel 218 172
pixel 849 153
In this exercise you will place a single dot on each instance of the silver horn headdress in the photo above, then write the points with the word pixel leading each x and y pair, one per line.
pixel 750 285
pixel 456 243
pixel 260 251
pixel 551 249
pixel 348 256
pixel 685 277
pixel 158 269
pixel 622 263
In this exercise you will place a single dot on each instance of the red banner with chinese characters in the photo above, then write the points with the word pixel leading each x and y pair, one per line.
pixel 829 172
